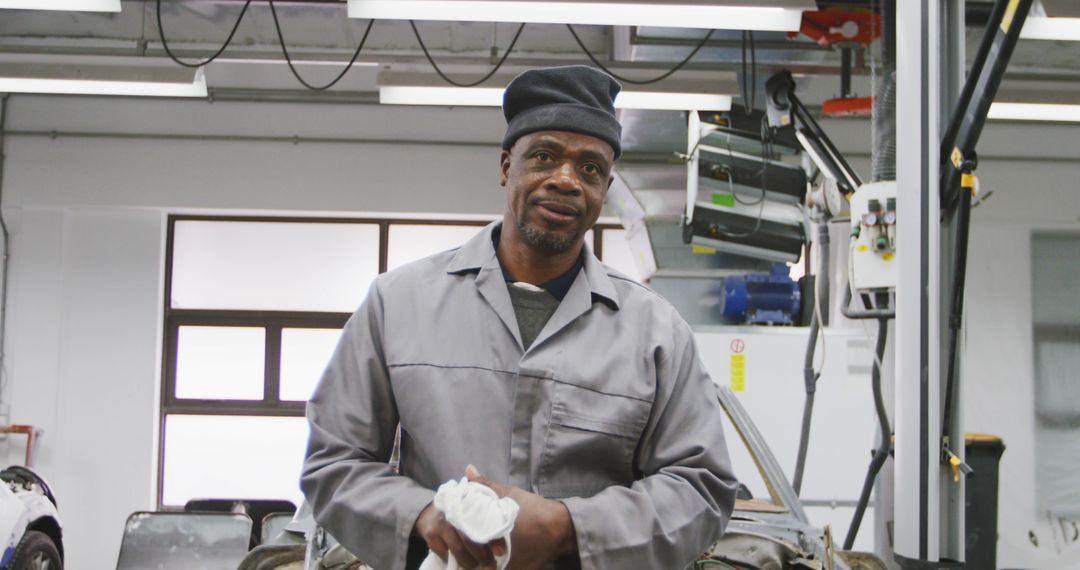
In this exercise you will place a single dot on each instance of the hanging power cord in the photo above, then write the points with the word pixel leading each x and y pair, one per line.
pixel 810 376
pixel 288 60
pixel 956 305
pixel 885 446
pixel 228 40
pixel 450 80
pixel 766 152
pixel 748 103
pixel 766 143
pixel 662 77
pixel 281 42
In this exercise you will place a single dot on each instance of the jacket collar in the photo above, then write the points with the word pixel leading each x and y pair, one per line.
pixel 478 254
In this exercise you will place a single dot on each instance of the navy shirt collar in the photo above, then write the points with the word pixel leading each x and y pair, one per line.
pixel 559 286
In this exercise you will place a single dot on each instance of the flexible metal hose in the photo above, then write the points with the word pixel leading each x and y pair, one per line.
pixel 882 452
pixel 810 377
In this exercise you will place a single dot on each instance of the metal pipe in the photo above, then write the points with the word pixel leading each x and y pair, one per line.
pixel 245 138
pixel 5 266
pixel 850 313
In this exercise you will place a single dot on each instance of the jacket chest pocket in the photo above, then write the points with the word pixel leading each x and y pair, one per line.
pixel 590 442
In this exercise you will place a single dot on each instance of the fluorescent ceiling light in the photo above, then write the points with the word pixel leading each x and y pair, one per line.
pixel 672 101
pixel 493 97
pixel 66 5
pixel 1037 28
pixel 659 14
pixel 1035 112
pixel 104 87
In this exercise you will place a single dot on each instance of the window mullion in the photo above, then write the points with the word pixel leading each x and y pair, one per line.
pixel 272 367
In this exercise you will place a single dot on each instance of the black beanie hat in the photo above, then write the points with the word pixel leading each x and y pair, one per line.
pixel 573 98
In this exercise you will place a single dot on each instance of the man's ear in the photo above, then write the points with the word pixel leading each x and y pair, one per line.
pixel 504 167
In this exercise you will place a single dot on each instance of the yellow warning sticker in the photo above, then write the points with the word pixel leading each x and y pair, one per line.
pixel 957 157
pixel 887 256
pixel 863 247
pixel 702 249
pixel 738 372
pixel 1010 13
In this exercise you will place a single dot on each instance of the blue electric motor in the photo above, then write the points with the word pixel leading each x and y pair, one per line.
pixel 761 299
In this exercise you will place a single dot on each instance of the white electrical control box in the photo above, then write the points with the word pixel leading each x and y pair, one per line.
pixel 873 227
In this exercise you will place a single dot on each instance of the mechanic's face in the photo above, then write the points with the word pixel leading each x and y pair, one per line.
pixel 557 182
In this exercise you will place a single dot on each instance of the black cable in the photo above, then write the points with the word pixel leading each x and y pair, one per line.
pixel 956 309
pixel 296 74
pixel 748 103
pixel 949 195
pixel 228 40
pixel 447 78
pixel 882 452
pixel 761 199
pixel 730 172
pixel 662 77
pixel 766 155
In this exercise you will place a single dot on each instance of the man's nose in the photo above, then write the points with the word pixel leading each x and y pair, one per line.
pixel 565 179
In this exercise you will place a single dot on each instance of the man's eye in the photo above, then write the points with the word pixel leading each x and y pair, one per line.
pixel 544 156
pixel 591 169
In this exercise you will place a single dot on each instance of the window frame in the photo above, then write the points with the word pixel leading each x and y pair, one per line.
pixel 271 321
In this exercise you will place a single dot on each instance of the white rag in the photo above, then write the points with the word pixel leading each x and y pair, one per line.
pixel 476 511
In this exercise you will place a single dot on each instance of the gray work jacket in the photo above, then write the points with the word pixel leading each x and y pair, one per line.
pixel 609 410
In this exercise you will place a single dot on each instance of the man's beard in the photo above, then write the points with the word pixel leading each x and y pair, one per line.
pixel 548 242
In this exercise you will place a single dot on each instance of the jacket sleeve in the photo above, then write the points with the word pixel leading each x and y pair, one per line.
pixel 684 500
pixel 353 491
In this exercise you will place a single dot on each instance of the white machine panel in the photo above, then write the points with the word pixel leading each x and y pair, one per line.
pixel 764 367
pixel 873 258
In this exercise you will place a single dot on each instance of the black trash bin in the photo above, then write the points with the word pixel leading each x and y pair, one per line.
pixel 983 454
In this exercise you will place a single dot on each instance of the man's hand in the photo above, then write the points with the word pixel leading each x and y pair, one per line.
pixel 442 538
pixel 543 531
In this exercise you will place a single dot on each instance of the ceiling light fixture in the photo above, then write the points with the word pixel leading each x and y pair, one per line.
pixel 1035 112
pixel 194 86
pixel 493 97
pixel 1039 28
pixel 766 15
pixel 63 5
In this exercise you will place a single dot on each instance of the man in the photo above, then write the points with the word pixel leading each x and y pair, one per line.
pixel 574 390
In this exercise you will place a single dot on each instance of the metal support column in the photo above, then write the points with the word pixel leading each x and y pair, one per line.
pixel 918 372
pixel 952 71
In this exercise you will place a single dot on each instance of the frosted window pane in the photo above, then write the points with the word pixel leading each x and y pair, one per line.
pixel 618 255
pixel 1055 271
pixel 1057 391
pixel 233 457
pixel 220 363
pixel 304 354
pixel 408 243
pixel 273 265
pixel 1058 451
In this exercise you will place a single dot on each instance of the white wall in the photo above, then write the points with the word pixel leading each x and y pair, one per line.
pixel 87 214
pixel 83 360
